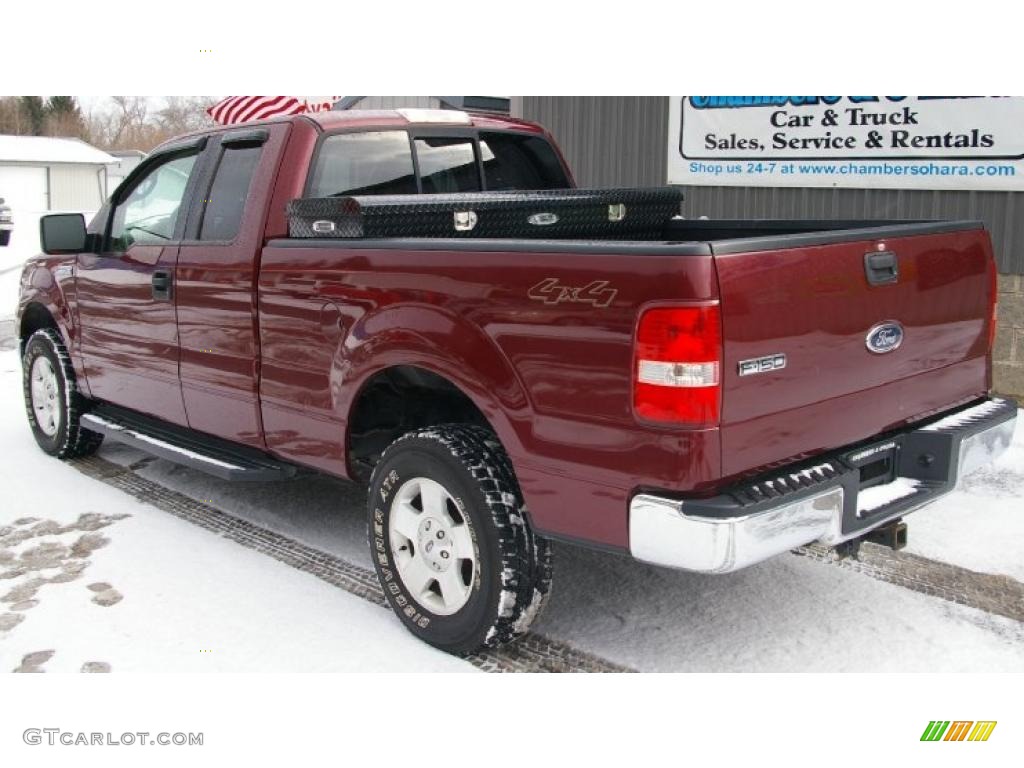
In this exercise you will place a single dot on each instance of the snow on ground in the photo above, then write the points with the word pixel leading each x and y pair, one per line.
pixel 980 526
pixel 788 614
pixel 783 615
pixel 193 600
pixel 180 599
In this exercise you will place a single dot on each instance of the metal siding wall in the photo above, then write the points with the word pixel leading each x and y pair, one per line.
pixel 398 102
pixel 608 141
pixel 614 141
pixel 75 187
pixel 1002 212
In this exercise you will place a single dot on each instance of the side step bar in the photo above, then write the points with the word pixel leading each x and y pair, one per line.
pixel 212 455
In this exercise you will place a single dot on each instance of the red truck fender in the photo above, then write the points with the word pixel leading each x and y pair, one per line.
pixel 44 303
pixel 443 344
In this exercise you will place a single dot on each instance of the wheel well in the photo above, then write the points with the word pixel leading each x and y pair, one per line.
pixel 398 400
pixel 34 318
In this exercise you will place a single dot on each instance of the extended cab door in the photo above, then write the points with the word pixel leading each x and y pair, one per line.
pixel 126 290
pixel 216 284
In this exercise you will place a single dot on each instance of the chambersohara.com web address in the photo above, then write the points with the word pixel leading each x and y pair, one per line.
pixel 852 169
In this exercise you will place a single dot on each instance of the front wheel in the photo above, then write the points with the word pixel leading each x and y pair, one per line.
pixel 52 399
pixel 450 541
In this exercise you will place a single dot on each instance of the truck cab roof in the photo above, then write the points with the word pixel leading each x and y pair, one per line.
pixel 326 122
pixel 334 120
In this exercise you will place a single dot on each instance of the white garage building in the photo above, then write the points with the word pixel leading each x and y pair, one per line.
pixel 42 174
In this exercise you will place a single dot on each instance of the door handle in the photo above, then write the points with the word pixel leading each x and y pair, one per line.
pixel 162 285
pixel 881 267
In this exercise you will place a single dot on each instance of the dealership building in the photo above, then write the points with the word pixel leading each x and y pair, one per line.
pixel 821 158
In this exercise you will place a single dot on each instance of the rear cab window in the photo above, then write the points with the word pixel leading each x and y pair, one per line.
pixel 515 161
pixel 371 163
pixel 406 162
pixel 225 204
pixel 447 164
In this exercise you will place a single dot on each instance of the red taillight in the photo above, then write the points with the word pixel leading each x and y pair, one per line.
pixel 677 365
pixel 993 299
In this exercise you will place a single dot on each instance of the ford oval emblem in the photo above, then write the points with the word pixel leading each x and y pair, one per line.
pixel 543 219
pixel 884 337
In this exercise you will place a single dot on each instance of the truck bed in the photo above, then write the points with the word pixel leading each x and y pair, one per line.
pixel 789 287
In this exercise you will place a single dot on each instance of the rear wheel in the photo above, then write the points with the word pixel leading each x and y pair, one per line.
pixel 450 541
pixel 52 399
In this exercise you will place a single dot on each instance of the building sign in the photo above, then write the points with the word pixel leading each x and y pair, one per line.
pixel 894 142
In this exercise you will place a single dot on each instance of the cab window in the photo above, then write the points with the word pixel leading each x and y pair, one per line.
pixel 225 204
pixel 385 163
pixel 447 165
pixel 150 212
pixel 513 161
pixel 371 163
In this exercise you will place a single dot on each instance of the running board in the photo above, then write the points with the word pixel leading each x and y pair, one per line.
pixel 208 454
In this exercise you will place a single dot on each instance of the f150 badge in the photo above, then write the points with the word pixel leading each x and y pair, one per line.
pixel 761 364
pixel 550 291
pixel 884 337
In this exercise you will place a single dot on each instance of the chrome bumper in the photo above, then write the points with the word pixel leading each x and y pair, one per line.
pixel 819 502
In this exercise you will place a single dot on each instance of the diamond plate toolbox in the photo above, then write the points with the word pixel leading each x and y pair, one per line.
pixel 627 214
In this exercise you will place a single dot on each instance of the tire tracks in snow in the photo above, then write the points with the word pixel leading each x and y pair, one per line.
pixel 531 653
pixel 992 593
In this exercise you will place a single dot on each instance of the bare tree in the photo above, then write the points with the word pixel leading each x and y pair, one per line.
pixel 12 117
pixel 182 114
pixel 129 126
pixel 122 122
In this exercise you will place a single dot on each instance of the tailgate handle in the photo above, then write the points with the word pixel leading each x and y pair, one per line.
pixel 881 267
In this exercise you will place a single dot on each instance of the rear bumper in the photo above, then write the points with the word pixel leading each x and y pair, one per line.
pixel 821 501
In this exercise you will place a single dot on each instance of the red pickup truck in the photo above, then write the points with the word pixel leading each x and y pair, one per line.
pixel 703 398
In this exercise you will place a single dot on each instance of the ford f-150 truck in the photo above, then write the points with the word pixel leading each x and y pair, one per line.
pixel 701 397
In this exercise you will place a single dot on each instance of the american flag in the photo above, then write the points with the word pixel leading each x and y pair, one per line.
pixel 241 109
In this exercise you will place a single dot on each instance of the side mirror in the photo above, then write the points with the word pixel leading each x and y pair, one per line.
pixel 62 233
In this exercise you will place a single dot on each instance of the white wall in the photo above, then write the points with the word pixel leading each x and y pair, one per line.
pixel 73 189
pixel 24 187
pixel 76 187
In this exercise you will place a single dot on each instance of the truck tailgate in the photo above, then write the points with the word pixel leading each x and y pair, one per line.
pixel 812 302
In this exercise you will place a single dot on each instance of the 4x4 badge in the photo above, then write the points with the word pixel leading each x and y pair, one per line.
pixel 549 291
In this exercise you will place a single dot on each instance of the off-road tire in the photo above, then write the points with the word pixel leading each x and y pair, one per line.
pixel 513 577
pixel 70 440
